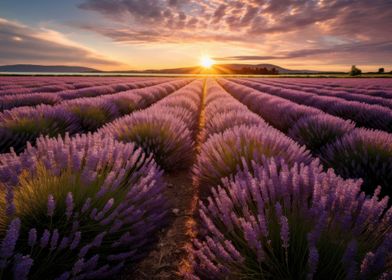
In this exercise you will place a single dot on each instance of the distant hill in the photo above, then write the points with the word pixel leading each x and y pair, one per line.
pixel 215 69
pixel 45 68
pixel 223 69
pixel 281 70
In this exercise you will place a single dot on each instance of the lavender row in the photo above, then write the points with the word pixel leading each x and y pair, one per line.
pixel 17 100
pixel 364 97
pixel 365 115
pixel 279 112
pixel 167 129
pixel 33 85
pixel 352 152
pixel 275 213
pixel 16 85
pixel 234 137
pixel 376 88
pixel 78 208
pixel 351 84
pixel 24 124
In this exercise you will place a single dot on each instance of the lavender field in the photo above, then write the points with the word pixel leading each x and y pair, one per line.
pixel 195 178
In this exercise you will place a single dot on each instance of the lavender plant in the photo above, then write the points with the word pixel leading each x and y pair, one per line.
pixel 166 136
pixel 282 222
pixel 125 102
pixel 10 101
pixel 27 123
pixel 316 131
pixel 77 208
pixel 224 154
pixel 166 129
pixel 365 154
pixel 215 107
pixel 92 113
pixel 226 120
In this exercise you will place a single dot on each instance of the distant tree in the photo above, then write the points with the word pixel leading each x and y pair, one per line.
pixel 381 70
pixel 274 71
pixel 257 71
pixel 355 71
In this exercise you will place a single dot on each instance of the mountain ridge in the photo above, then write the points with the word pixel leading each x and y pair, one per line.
pixel 215 69
pixel 46 68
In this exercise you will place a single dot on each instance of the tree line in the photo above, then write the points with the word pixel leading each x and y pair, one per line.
pixel 256 70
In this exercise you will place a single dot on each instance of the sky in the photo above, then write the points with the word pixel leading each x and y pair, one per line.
pixel 327 35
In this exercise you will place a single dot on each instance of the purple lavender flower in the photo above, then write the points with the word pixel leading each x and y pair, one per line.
pixel 11 237
pixel 45 238
pixel 284 231
pixel 22 267
pixel 105 209
pixel 9 197
pixel 78 267
pixel 32 237
pixel 86 205
pixel 63 243
pixel 76 240
pixel 51 205
pixel 54 240
pixel 313 261
pixel 69 205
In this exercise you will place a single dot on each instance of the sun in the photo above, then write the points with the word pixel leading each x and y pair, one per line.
pixel 206 62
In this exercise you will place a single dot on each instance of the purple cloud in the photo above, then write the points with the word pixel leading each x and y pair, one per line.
pixel 254 17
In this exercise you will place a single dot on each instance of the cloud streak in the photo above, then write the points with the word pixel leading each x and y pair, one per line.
pixel 23 44
pixel 380 48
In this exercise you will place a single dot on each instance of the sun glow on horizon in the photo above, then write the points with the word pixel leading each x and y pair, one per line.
pixel 206 62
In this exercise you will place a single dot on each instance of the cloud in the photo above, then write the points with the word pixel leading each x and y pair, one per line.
pixel 247 57
pixel 142 11
pixel 257 21
pixel 378 51
pixel 148 36
pixel 23 44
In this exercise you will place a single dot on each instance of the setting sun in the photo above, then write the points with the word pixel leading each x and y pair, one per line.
pixel 206 62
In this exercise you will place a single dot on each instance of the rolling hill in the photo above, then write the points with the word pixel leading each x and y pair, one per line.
pixel 46 68
pixel 216 69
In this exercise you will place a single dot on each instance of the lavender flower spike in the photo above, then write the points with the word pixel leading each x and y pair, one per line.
pixel 22 267
pixel 51 205
pixel 9 241
pixel 69 205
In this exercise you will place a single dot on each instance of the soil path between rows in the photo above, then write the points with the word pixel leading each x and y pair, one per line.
pixel 164 260
pixel 171 254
